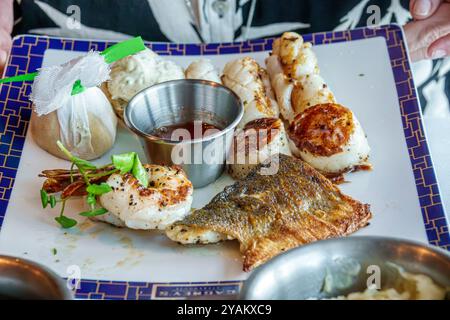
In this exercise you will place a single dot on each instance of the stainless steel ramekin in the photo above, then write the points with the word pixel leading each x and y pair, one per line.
pixel 181 101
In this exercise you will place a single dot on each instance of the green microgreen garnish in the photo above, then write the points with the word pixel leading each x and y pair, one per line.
pixel 139 171
pixel 91 174
pixel 93 213
pixel 44 198
pixel 124 162
pixel 98 189
pixel 91 199
pixel 127 162
pixel 47 199
pixel 66 222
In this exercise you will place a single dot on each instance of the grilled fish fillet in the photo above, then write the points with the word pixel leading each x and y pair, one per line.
pixel 270 214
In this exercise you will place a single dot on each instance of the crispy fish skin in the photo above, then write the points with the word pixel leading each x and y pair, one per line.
pixel 270 214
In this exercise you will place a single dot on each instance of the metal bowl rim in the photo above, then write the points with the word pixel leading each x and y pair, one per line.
pixel 246 294
pixel 65 293
pixel 231 126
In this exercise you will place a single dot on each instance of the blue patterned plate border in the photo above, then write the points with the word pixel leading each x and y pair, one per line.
pixel 27 55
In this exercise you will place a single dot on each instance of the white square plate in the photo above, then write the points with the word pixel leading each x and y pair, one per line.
pixel 367 70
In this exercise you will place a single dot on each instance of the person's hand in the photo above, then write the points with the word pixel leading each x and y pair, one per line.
pixel 428 35
pixel 6 25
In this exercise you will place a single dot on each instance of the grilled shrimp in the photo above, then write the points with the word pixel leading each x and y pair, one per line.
pixel 167 199
pixel 202 69
pixel 250 82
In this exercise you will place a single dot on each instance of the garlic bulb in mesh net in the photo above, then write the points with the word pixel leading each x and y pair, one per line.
pixel 84 122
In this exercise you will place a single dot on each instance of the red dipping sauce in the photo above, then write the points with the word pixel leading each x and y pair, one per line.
pixel 186 131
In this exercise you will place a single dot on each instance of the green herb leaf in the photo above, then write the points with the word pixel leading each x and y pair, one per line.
pixel 52 201
pixel 83 164
pixel 66 222
pixel 54 251
pixel 99 189
pixel 124 162
pixel 91 200
pixel 93 213
pixel 139 172
pixel 64 150
pixel 44 198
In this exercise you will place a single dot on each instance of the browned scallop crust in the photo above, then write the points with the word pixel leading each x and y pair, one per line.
pixel 323 129
pixel 257 134
pixel 270 214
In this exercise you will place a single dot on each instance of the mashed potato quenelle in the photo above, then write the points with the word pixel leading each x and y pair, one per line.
pixel 410 287
pixel 137 72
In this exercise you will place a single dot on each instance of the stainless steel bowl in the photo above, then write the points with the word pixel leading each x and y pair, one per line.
pixel 181 101
pixel 300 273
pixel 24 279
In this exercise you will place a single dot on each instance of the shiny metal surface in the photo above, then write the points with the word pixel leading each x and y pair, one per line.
pixel 24 279
pixel 181 101
pixel 300 273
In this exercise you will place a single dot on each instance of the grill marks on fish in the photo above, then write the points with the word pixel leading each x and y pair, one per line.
pixel 269 214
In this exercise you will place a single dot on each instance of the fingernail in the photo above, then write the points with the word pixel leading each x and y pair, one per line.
pixel 422 7
pixel 439 53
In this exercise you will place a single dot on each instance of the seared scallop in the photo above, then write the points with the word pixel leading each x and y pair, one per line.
pixel 167 199
pixel 258 141
pixel 329 138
